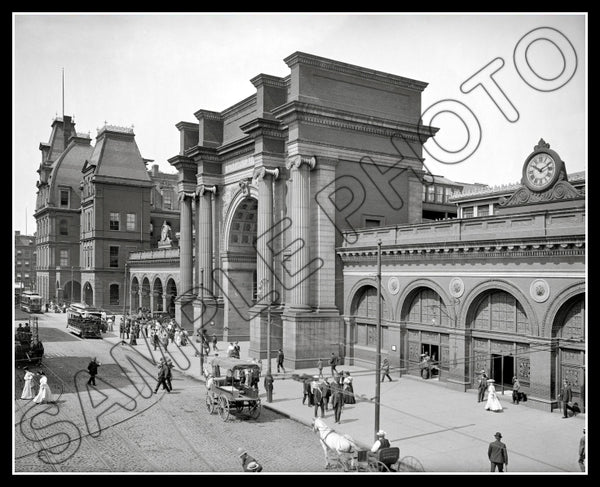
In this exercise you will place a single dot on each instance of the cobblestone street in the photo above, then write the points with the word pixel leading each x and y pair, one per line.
pixel 160 433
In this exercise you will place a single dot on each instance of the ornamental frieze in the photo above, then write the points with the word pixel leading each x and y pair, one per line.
pixel 562 190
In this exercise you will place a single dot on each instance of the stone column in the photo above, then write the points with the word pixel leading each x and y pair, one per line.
pixel 299 167
pixel 185 244
pixel 204 236
pixel 264 242
pixel 164 300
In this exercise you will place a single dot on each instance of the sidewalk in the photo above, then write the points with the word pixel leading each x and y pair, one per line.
pixel 446 430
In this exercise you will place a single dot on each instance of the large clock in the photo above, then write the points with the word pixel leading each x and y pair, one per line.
pixel 542 169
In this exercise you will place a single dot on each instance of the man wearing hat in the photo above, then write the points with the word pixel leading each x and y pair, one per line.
pixel 382 442
pixel 249 464
pixel 482 386
pixel 497 454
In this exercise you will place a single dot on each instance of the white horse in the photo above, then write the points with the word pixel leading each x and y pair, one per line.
pixel 332 441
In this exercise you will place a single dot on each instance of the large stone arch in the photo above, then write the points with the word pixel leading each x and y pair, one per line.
pixel 406 297
pixel 473 297
pixel 355 293
pixel 238 197
pixel 556 305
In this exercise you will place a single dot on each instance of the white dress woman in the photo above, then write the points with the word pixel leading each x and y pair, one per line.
pixel 28 388
pixel 178 338
pixel 45 394
pixel 493 403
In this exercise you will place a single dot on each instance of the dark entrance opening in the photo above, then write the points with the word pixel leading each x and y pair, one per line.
pixel 434 356
pixel 503 367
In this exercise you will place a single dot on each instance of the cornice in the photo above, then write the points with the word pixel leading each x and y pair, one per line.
pixel 345 120
pixel 359 71
pixel 468 251
pixel 265 127
pixel 268 80
pixel 208 115
pixel 187 126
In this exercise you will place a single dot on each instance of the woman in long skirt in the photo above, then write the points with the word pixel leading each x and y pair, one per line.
pixel 27 389
pixel 45 394
pixel 348 389
pixel 493 403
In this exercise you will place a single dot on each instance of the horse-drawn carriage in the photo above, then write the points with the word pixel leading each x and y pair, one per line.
pixel 229 388
pixel 29 350
pixel 343 454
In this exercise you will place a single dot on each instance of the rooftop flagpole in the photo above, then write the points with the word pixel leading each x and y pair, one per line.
pixel 63 93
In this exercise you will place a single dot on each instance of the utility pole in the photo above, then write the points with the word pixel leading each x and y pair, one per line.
pixel 263 286
pixel 71 285
pixel 201 321
pixel 378 354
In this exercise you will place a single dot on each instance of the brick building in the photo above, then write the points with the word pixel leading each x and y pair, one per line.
pixel 95 204
pixel 25 263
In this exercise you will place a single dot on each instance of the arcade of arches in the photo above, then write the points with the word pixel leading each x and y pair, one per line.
pixel 158 297
pixel 496 336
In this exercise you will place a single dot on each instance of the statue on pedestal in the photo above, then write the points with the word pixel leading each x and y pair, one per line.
pixel 165 235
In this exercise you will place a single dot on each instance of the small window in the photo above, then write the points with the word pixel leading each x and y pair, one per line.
pixel 114 256
pixel 114 221
pixel 483 210
pixel 439 194
pixel 63 227
pixel 167 200
pixel 424 193
pixel 430 192
pixel 372 222
pixel 64 258
pixel 114 294
pixel 130 222
pixel 64 198
pixel 467 212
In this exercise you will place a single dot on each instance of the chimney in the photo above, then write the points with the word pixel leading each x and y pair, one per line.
pixel 154 170
pixel 17 233
pixel 67 128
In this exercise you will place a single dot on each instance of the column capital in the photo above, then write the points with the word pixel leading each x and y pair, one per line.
pixel 185 194
pixel 297 160
pixel 203 188
pixel 261 172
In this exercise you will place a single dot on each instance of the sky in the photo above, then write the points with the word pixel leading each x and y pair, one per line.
pixel 497 83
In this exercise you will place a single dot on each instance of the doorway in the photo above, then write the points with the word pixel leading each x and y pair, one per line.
pixel 503 367
pixel 434 355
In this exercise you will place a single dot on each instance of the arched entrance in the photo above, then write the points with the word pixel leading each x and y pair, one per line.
pixel 496 313
pixel 239 266
pixel 72 294
pixel 569 329
pixel 157 291
pixel 427 321
pixel 171 296
pixel 146 293
pixel 88 294
pixel 135 295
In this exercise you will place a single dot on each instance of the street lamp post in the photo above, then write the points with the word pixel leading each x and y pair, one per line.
pixel 378 332
pixel 263 285
pixel 71 285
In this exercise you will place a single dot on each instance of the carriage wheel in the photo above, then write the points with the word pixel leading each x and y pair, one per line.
pixel 223 408
pixel 377 466
pixel 254 409
pixel 409 464
pixel 210 404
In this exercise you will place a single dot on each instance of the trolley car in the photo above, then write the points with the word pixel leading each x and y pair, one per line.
pixel 30 302
pixel 84 320
pixel 229 391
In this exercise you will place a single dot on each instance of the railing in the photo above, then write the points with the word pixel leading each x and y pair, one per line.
pixel 540 224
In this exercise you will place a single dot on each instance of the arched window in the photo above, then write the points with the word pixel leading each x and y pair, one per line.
pixel 63 227
pixel 428 308
pixel 364 310
pixel 114 294
pixel 501 311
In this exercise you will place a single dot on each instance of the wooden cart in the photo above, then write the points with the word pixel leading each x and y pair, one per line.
pixel 229 390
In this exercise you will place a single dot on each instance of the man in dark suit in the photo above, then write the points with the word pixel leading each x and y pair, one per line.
pixel 498 454
pixel 482 386
pixel 566 396
pixel 93 370
pixel 337 399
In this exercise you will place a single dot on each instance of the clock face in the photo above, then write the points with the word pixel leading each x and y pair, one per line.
pixel 541 171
